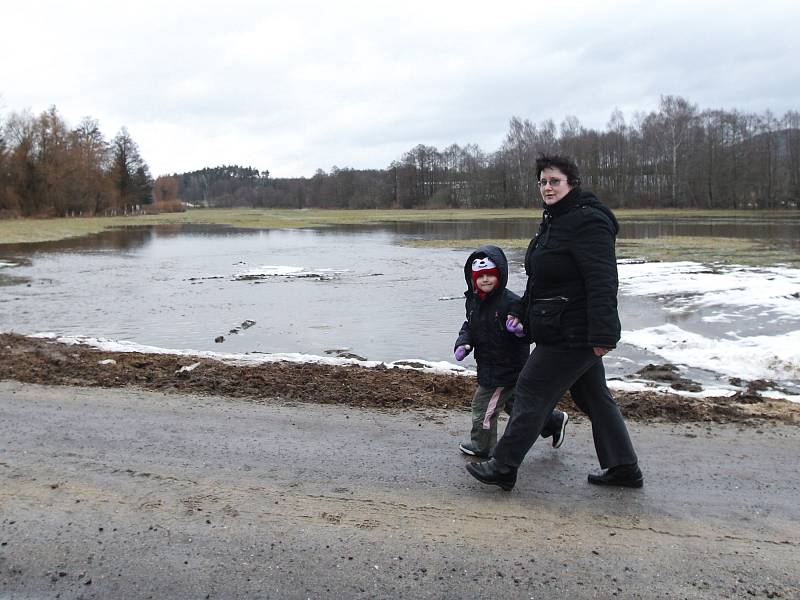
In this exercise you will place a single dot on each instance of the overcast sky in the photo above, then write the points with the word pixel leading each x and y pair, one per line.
pixel 294 86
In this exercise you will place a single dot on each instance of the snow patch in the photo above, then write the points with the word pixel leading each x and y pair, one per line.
pixel 255 358
pixel 687 286
pixel 755 357
pixel 641 385
pixel 268 271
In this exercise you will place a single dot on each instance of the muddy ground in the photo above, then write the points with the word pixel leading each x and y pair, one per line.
pixel 46 362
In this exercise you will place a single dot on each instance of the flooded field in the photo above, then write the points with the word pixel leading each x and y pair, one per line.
pixel 364 291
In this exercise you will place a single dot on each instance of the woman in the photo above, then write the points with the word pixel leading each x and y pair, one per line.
pixel 570 311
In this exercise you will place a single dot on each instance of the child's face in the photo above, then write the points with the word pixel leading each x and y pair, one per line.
pixel 486 283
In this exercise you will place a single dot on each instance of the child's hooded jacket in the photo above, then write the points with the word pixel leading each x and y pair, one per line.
pixel 500 355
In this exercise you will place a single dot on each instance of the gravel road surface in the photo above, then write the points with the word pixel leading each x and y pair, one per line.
pixel 118 493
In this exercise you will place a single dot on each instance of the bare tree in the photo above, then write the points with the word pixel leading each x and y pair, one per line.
pixel 92 192
pixel 791 124
pixel 519 146
pixel 676 117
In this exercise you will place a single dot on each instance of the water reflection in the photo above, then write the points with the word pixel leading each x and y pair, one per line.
pixel 784 231
pixel 500 229
pixel 120 238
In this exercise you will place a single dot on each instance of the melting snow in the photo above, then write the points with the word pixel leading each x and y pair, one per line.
pixel 686 286
pixel 756 357
pixel 267 271
pixel 255 358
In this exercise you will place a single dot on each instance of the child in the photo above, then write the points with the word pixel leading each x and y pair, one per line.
pixel 499 354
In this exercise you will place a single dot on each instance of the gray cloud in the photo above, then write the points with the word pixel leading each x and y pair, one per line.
pixel 312 85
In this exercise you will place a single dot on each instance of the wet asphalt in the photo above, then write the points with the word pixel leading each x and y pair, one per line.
pixel 128 494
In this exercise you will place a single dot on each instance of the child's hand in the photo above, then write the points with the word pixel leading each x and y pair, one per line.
pixel 462 351
pixel 514 326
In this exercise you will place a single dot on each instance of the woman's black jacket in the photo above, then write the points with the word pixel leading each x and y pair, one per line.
pixel 500 355
pixel 571 295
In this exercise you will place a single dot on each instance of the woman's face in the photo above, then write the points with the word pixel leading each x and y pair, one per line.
pixel 553 185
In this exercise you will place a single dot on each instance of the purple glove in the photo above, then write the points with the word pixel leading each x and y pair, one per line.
pixel 462 351
pixel 513 325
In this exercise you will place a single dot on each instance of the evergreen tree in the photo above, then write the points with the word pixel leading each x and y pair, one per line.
pixel 130 174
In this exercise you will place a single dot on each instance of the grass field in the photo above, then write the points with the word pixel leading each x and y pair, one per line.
pixel 727 250
pixel 665 249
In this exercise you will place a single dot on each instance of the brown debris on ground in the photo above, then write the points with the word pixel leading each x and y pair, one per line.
pixel 668 373
pixel 32 360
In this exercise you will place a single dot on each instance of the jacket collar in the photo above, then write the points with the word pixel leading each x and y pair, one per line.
pixel 566 204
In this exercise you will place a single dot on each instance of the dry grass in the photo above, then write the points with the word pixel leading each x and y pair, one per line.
pixel 708 249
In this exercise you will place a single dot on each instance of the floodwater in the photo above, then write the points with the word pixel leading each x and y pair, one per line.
pixel 359 290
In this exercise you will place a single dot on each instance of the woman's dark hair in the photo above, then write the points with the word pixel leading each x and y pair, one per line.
pixel 563 163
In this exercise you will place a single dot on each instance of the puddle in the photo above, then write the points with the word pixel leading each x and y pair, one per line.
pixel 361 290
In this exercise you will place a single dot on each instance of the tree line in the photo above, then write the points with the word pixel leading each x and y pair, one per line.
pixel 676 156
pixel 50 169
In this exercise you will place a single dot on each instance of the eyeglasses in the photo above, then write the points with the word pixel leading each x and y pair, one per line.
pixel 554 182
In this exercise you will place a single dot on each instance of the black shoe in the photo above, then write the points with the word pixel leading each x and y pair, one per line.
pixel 558 436
pixel 492 473
pixel 622 475
pixel 469 449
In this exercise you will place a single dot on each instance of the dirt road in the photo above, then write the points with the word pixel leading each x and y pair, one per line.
pixel 132 494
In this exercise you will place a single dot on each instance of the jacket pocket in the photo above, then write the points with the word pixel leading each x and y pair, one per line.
pixel 545 320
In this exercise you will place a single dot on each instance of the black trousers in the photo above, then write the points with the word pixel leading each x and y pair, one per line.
pixel 548 374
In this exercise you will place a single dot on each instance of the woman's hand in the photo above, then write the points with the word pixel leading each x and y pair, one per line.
pixel 598 351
